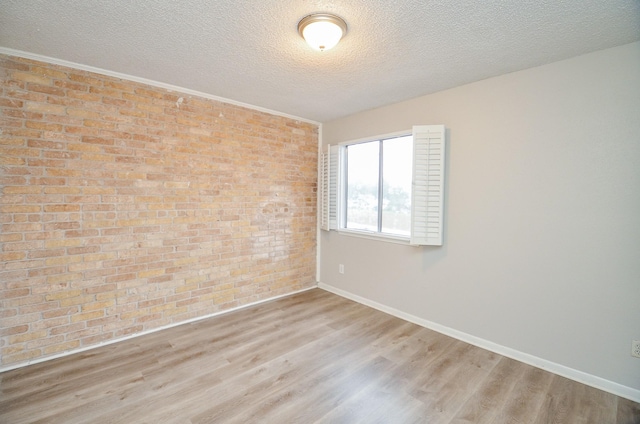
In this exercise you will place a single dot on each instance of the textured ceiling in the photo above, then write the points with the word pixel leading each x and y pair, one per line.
pixel 250 51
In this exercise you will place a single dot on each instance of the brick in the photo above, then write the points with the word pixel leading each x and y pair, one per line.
pixel 62 243
pixel 11 350
pixel 74 130
pixel 5 238
pixel 13 63
pixel 21 208
pixel 85 79
pixel 49 72
pixel 60 347
pixel 63 295
pixel 43 272
pixel 30 245
pixel 29 77
pixel 103 288
pixel 98 305
pixel 47 181
pixel 97 140
pixel 28 336
pixel 64 278
pixel 62 190
pixel 63 172
pixel 12 256
pixel 98 124
pixel 38 343
pixel 105 91
pixel 97 157
pixel 14 330
pixel 71 85
pixel 60 312
pixel 46 163
pixel 83 113
pixel 161 308
pixel 8 294
pixel 88 97
pixel 75 301
pixel 99 257
pixel 39 88
pixel 68 329
pixel 175 311
pixel 20 357
pixel 109 323
pixel 44 126
pixel 18 320
pixel 87 316
pixel 45 108
pixel 83 233
pixel 22 152
pixel 149 93
pixel 11 141
pixel 150 273
pixel 62 208
pixel 22 190
pixel 30 304
pixel 43 144
pixel 10 103
pixel 5 160
pixel 132 112
pixel 82 250
pixel 19 132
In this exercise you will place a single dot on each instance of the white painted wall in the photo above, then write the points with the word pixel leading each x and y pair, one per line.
pixel 542 231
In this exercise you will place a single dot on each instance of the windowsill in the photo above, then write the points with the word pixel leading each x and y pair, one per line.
pixel 375 236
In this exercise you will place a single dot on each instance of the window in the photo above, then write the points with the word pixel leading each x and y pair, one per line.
pixel 387 187
pixel 378 186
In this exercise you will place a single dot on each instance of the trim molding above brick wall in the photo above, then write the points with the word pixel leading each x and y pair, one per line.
pixel 79 66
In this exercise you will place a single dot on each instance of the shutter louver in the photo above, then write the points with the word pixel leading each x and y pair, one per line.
pixel 324 191
pixel 329 187
pixel 333 187
pixel 427 195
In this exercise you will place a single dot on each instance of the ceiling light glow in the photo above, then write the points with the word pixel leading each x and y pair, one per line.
pixel 322 31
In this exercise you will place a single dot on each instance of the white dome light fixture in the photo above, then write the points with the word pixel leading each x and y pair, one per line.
pixel 322 31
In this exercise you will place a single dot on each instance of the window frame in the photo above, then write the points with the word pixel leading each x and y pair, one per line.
pixel 343 191
pixel 427 187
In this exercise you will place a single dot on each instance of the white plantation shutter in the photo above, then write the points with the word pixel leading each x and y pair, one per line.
pixel 427 195
pixel 324 191
pixel 329 186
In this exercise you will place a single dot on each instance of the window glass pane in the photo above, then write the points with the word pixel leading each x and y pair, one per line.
pixel 362 186
pixel 396 185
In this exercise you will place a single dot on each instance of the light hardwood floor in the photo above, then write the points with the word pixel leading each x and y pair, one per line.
pixel 309 358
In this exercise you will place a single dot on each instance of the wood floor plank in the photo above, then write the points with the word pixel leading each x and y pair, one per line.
pixel 628 412
pixel 452 379
pixel 242 359
pixel 343 351
pixel 313 357
pixel 484 404
pixel 567 403
pixel 238 362
pixel 527 397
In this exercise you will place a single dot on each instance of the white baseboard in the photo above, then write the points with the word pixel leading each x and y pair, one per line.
pixel 108 342
pixel 570 373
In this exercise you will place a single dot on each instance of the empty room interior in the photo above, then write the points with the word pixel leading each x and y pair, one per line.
pixel 211 213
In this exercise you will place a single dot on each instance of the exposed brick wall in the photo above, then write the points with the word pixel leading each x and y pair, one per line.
pixel 126 207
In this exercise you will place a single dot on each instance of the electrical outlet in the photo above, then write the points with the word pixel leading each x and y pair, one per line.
pixel 635 348
pixel 341 269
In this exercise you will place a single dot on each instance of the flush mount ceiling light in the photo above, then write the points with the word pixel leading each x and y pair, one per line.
pixel 322 31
